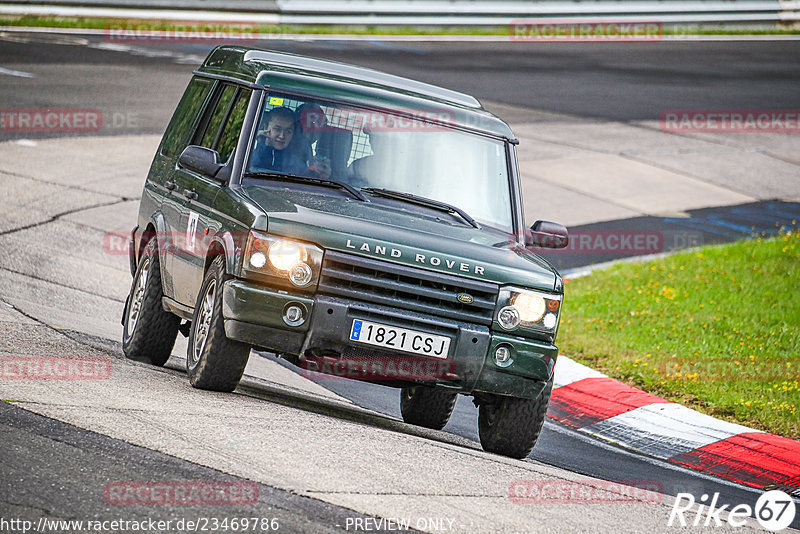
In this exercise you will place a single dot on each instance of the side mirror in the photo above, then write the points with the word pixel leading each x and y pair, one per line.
pixel 546 234
pixel 200 160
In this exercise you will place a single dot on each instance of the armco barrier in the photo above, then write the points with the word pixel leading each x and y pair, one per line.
pixel 434 12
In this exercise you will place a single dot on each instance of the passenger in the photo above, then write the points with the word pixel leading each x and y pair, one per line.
pixel 312 123
pixel 272 151
pixel 376 167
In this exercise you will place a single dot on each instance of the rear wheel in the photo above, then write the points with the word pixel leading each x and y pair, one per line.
pixel 427 406
pixel 511 426
pixel 148 331
pixel 213 361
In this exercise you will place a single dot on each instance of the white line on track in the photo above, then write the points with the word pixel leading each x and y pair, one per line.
pixel 19 73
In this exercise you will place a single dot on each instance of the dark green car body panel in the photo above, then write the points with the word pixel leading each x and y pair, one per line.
pixel 223 212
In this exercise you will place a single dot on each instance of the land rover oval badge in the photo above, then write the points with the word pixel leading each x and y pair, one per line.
pixel 465 298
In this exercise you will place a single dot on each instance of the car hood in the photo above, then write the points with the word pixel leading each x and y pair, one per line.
pixel 402 236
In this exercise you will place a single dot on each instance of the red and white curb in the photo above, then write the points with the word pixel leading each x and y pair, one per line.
pixel 600 406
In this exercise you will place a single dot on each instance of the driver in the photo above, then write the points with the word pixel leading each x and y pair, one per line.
pixel 272 147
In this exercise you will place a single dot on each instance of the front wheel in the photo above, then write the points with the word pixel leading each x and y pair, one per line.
pixel 426 406
pixel 511 426
pixel 213 361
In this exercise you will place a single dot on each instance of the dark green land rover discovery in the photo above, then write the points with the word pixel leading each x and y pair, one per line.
pixel 357 224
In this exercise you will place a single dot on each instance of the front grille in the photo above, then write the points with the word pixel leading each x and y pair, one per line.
pixel 389 284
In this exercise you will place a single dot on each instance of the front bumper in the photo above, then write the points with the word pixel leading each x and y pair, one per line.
pixel 254 315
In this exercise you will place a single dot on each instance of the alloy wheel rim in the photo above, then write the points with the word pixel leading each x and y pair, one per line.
pixel 135 309
pixel 204 321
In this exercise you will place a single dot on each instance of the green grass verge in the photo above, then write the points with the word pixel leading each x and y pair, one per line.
pixel 717 329
pixel 36 21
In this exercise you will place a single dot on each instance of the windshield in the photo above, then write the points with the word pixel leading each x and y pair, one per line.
pixel 381 150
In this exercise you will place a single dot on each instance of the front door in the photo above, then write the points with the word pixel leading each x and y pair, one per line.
pixel 220 132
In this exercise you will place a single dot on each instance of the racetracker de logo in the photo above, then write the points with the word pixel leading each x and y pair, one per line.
pixel 731 120
pixel 617 242
pixel 379 368
pixel 596 492
pixel 180 493
pixel 183 32
pixel 50 120
pixel 314 119
pixel 564 30
pixel 55 368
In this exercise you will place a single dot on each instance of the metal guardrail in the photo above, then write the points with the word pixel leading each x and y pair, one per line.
pixel 445 12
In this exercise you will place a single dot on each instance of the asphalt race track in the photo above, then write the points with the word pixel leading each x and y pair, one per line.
pixel 51 468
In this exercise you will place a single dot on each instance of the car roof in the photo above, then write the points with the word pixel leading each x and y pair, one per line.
pixel 339 81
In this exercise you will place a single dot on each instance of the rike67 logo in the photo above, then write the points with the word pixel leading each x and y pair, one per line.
pixel 774 510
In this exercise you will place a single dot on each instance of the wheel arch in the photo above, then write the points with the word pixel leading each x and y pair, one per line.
pixel 155 229
pixel 222 245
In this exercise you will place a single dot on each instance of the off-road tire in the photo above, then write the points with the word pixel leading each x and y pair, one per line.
pixel 510 426
pixel 427 406
pixel 218 364
pixel 152 335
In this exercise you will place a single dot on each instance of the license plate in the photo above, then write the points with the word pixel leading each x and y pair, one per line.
pixel 403 339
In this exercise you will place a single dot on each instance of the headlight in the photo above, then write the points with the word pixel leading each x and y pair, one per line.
pixel 297 262
pixel 531 307
pixel 526 309
pixel 283 255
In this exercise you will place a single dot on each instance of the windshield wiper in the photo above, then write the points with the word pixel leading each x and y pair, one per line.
pixel 422 201
pixel 309 180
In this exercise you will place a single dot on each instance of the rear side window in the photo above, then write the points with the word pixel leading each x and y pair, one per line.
pixel 224 120
pixel 217 116
pixel 185 118
pixel 233 126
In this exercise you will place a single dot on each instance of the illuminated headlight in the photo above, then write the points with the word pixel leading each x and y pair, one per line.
pixel 283 255
pixel 525 309
pixel 531 307
pixel 297 262
pixel 258 260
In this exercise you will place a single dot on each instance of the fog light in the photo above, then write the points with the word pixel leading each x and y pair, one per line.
pixel 508 317
pixel 300 275
pixel 258 260
pixel 549 321
pixel 294 315
pixel 502 356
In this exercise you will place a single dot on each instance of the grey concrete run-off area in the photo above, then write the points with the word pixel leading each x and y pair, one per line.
pixel 63 285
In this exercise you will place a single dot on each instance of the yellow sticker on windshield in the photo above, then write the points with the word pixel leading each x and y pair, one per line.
pixel 275 101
